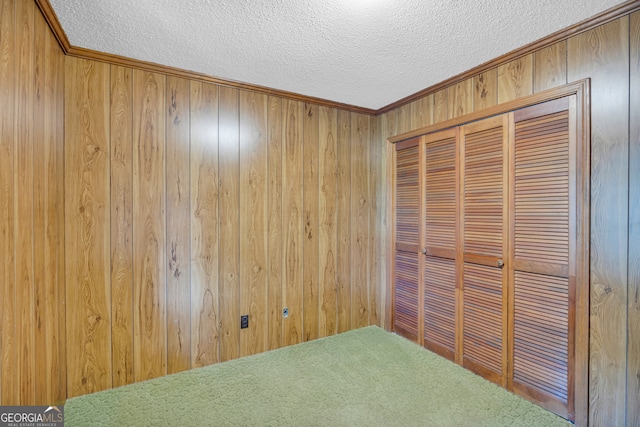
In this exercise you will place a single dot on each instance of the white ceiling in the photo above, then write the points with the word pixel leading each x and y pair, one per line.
pixel 368 53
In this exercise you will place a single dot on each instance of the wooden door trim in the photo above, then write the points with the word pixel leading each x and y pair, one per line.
pixel 579 88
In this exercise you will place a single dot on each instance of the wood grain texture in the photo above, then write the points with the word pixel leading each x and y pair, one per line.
pixel 229 158
pixel 275 224
pixel 178 247
pixel 327 220
pixel 311 202
pixel 87 227
pixel 149 226
pixel 422 112
pixel 485 89
pixel 253 223
pixel 360 220
pixel 9 379
pixel 440 106
pixel 343 207
pixel 62 321
pixel 633 346
pixel 375 174
pixel 121 125
pixel 24 209
pixel 385 221
pixel 55 372
pixel 460 99
pixel 205 312
pixel 550 67
pixel 40 116
pixel 515 79
pixel 602 54
pixel 404 116
pixel 293 227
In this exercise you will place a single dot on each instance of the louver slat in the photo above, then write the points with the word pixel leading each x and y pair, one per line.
pixel 541 252
pixel 406 294
pixel 440 241
pixel 483 320
pixel 440 193
pixel 440 305
pixel 407 238
pixel 407 196
pixel 483 238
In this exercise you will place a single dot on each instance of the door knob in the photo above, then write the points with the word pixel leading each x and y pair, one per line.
pixel 424 251
pixel 500 263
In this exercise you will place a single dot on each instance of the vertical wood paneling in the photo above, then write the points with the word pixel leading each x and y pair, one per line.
pixel 385 215
pixel 274 244
pixel 55 372
pixel 311 202
pixel 121 142
pixel 440 106
pixel 8 376
pixel 550 67
pixel 24 212
pixel 515 79
pixel 460 98
pixel 359 220
pixel 404 115
pixel 60 200
pixel 229 158
pixel 178 248
pixel 292 199
pixel 343 207
pixel 253 227
pixel 633 350
pixel 422 112
pixel 87 227
pixel 149 226
pixel 40 115
pixel 485 89
pixel 328 226
pixel 375 174
pixel 32 336
pixel 205 312
pixel 603 55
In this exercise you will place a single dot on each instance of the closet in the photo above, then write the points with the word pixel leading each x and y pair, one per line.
pixel 490 219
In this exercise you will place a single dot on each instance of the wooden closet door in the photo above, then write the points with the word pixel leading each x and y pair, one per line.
pixel 406 290
pixel 440 202
pixel 483 225
pixel 543 253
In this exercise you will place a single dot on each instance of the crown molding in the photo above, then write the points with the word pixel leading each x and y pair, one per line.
pixel 586 25
pixel 79 52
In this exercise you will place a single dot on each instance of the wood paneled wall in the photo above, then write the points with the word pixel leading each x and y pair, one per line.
pixel 605 54
pixel 32 311
pixel 190 204
pixel 141 214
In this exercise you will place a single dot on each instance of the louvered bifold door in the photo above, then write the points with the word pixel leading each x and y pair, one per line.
pixel 483 213
pixel 440 242
pixel 543 246
pixel 406 298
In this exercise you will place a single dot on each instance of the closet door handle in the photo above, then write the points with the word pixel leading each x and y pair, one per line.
pixel 500 263
pixel 424 251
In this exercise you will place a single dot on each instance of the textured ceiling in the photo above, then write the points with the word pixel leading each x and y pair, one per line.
pixel 368 53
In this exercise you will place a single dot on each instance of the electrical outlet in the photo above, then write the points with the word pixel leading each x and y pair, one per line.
pixel 244 321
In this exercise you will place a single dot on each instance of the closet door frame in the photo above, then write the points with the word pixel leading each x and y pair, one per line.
pixel 581 90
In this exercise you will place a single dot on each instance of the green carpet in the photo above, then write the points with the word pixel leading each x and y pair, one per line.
pixel 366 377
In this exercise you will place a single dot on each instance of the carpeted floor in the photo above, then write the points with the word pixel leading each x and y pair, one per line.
pixel 366 377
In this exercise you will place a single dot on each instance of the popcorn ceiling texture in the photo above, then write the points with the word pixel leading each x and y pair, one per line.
pixel 368 53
